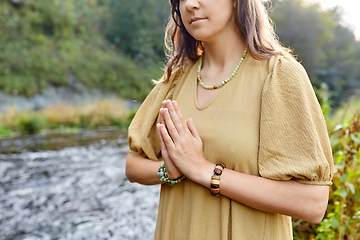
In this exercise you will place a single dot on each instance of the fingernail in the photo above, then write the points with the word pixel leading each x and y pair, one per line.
pixel 174 103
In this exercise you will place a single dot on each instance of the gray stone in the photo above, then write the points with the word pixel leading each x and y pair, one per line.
pixel 76 94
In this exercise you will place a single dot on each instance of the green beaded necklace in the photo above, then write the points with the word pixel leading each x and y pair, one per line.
pixel 223 82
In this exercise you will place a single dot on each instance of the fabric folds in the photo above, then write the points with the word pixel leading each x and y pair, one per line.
pixel 294 142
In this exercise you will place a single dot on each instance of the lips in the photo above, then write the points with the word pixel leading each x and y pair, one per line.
pixel 195 19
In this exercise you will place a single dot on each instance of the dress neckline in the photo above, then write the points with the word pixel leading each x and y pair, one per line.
pixel 222 89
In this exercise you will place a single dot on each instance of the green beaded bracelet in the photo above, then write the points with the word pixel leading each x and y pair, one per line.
pixel 164 177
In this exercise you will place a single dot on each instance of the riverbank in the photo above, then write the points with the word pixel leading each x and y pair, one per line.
pixel 73 186
pixel 60 116
pixel 102 112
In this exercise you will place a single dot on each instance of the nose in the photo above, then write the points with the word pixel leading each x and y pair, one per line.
pixel 191 4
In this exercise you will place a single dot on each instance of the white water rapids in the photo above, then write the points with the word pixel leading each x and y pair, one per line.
pixel 76 192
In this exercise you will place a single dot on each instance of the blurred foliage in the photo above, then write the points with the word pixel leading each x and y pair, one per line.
pixel 90 116
pixel 324 45
pixel 303 28
pixel 5 132
pixel 342 219
pixel 57 42
pixel 344 112
pixel 137 28
pixel 323 94
pixel 31 123
pixel 117 45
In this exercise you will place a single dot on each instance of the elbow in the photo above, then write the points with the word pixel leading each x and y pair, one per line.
pixel 317 217
pixel 317 211
pixel 129 173
pixel 315 203
pixel 312 215
pixel 129 176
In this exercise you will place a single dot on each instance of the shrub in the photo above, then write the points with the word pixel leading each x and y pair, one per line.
pixel 342 220
pixel 32 123
pixel 98 114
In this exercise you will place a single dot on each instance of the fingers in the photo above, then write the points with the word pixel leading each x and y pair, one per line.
pixel 166 142
pixel 193 129
pixel 176 116
pixel 164 152
pixel 179 114
pixel 171 129
pixel 162 119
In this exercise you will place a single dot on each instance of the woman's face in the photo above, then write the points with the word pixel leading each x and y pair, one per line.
pixel 206 20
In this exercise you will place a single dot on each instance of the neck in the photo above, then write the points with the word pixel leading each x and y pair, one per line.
pixel 225 49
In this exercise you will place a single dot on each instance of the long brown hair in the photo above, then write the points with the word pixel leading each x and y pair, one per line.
pixel 254 26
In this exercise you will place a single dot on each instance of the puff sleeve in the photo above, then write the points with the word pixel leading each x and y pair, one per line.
pixel 142 134
pixel 294 142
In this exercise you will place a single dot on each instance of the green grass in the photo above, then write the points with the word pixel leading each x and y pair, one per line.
pixel 6 132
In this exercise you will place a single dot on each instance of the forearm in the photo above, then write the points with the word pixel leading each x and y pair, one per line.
pixel 303 201
pixel 142 170
pixel 184 146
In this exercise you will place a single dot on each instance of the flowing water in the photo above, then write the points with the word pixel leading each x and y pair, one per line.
pixel 72 186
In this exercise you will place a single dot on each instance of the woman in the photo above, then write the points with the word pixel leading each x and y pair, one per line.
pixel 241 100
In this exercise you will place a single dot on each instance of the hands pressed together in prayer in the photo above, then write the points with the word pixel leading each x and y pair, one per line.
pixel 182 151
pixel 181 146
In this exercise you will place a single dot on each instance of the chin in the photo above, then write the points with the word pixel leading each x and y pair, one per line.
pixel 200 37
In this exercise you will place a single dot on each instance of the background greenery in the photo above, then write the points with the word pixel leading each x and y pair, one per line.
pixel 116 45
pixel 52 42
pixel 326 48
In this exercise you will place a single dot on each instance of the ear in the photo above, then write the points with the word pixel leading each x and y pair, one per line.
pixel 235 2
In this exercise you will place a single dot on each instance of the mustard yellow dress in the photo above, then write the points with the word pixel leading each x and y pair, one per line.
pixel 265 122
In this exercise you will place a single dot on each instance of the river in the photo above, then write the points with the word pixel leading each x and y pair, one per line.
pixel 72 186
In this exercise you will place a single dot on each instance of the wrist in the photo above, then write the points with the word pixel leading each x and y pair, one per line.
pixel 215 179
pixel 163 176
pixel 174 176
pixel 202 174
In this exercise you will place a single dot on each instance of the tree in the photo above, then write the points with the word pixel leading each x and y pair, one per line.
pixel 305 29
pixel 57 42
pixel 326 48
pixel 340 65
pixel 136 27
